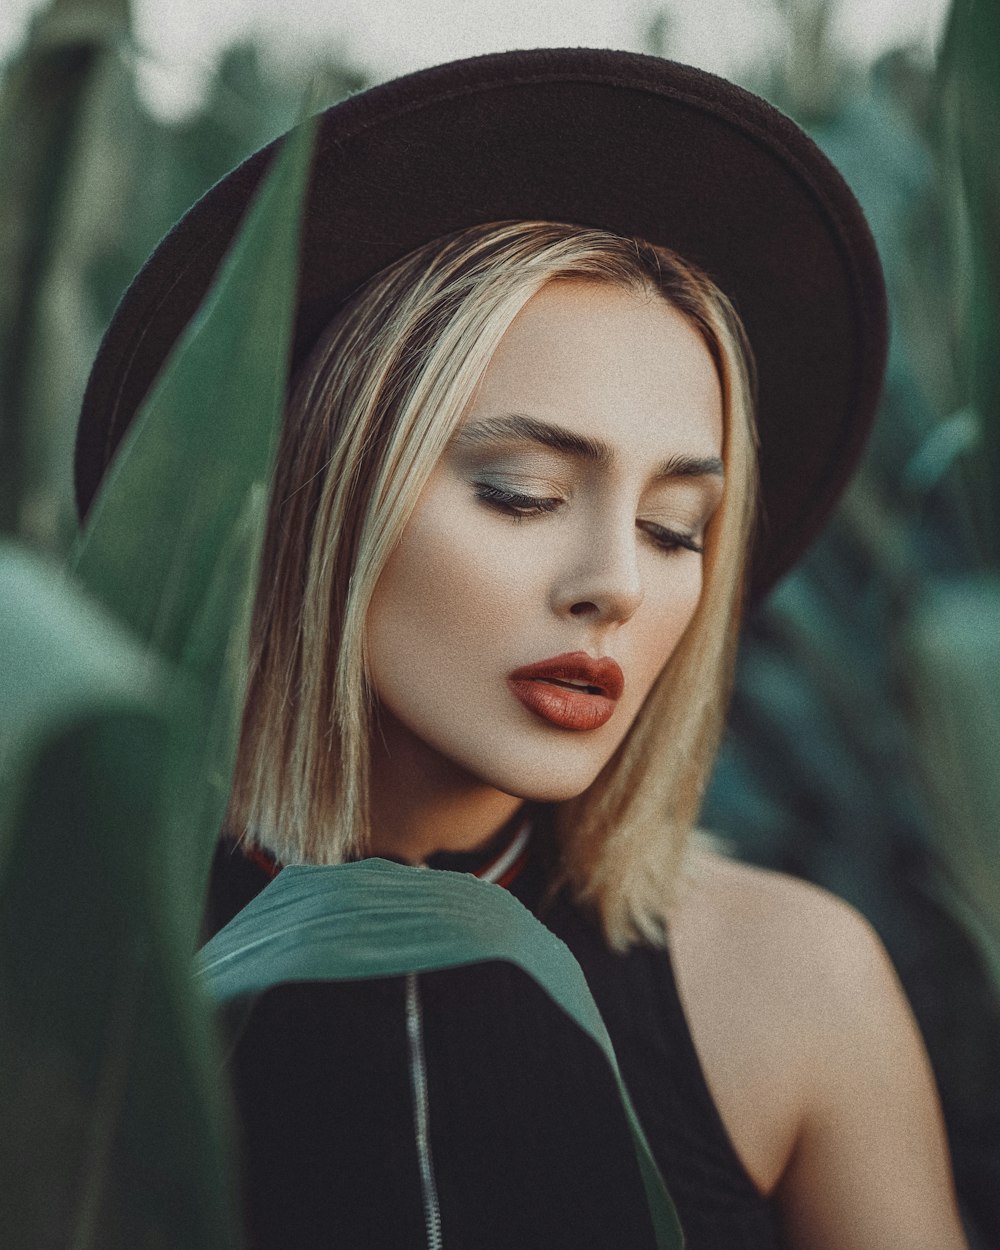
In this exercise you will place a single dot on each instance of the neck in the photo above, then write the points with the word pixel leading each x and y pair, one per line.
pixel 422 803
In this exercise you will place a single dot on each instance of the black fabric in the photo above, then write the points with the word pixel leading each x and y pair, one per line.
pixel 719 1206
pixel 326 1114
pixel 529 1141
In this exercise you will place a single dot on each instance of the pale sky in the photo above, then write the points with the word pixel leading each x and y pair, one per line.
pixel 182 38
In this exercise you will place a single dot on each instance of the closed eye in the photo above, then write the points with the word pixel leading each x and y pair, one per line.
pixel 517 505
pixel 512 503
pixel 670 540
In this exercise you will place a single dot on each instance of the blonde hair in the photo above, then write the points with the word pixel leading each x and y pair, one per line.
pixel 373 409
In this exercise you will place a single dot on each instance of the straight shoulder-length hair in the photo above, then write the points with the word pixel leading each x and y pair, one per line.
pixel 371 412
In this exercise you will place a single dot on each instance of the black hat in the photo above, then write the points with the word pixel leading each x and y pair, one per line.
pixel 618 141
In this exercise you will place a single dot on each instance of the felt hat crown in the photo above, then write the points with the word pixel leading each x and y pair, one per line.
pixel 619 141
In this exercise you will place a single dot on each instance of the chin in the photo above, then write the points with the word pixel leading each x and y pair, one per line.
pixel 552 793
pixel 552 783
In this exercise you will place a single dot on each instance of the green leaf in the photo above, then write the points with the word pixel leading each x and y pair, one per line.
pixel 61 654
pixel 969 81
pixel 173 538
pixel 108 1059
pixel 378 919
pixel 42 110
pixel 205 437
pixel 115 1135
pixel 953 650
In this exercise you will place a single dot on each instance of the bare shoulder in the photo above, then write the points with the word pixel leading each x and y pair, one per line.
pixel 805 971
pixel 813 1058
pixel 772 972
pixel 784 926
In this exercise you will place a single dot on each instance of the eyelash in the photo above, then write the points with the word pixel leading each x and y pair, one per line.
pixel 518 507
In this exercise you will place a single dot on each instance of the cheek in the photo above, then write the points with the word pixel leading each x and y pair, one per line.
pixel 445 602
pixel 663 627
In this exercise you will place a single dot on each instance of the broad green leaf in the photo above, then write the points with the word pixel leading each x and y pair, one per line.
pixel 172 541
pixel 205 436
pixel 969 79
pixel 43 100
pixel 216 647
pixel 954 687
pixel 377 919
pixel 60 653
pixel 115 1136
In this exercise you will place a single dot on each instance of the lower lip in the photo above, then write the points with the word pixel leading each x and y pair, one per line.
pixel 569 709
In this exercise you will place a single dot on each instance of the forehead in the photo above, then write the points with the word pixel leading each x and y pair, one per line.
pixel 611 364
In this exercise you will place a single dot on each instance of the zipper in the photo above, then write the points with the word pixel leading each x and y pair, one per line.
pixel 418 1081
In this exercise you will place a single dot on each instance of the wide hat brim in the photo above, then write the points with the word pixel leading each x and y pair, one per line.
pixel 624 142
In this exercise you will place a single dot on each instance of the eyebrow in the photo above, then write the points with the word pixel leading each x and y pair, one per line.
pixel 516 425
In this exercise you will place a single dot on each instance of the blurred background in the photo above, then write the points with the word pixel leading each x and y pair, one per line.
pixel 864 741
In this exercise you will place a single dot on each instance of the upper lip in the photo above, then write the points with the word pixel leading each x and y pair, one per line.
pixel 604 673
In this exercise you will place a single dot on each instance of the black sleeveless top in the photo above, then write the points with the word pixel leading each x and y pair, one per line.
pixel 525 1145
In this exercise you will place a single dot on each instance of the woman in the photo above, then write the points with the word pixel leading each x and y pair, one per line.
pixel 499 600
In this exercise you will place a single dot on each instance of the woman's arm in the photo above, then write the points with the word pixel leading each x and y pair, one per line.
pixel 815 1061
pixel 869 1167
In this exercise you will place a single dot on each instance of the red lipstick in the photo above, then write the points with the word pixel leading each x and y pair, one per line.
pixel 573 691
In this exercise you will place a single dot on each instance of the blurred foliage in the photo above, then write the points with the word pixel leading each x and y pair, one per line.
pixel 45 99
pixel 92 182
pixel 954 643
pixel 103 1049
pixel 171 541
pixel 118 731
pixel 969 122
pixel 863 741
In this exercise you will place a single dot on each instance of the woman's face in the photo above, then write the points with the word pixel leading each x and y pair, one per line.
pixel 563 523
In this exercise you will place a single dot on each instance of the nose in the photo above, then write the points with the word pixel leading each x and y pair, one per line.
pixel 600 577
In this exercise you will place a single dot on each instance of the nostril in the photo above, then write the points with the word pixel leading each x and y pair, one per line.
pixel 583 609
